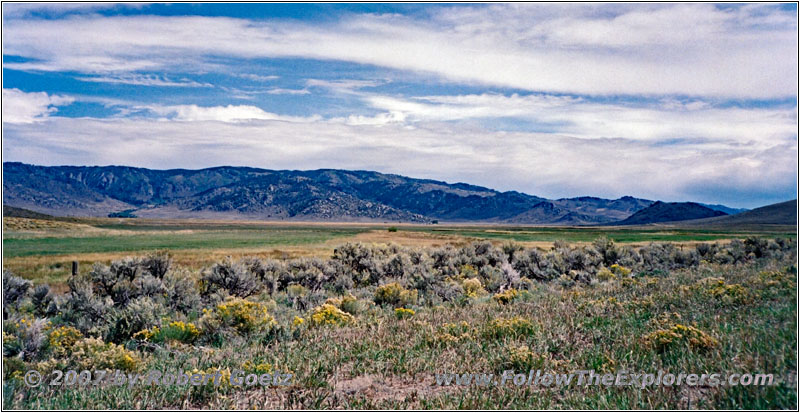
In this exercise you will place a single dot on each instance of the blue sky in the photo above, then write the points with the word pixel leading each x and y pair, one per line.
pixel 663 101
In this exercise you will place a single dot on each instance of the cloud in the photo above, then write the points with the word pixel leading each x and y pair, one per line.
pixel 344 86
pixel 144 80
pixel 659 49
pixel 377 120
pixel 280 91
pixel 258 78
pixel 229 113
pixel 552 165
pixel 23 107
pixel 580 117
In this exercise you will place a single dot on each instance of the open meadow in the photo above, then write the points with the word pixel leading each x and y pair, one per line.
pixel 42 249
pixel 367 315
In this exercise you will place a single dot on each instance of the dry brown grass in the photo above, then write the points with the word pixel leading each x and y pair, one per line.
pixel 42 225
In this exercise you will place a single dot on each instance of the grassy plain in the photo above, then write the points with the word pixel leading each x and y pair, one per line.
pixel 42 250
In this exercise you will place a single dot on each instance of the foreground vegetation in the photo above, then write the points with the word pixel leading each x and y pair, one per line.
pixel 371 325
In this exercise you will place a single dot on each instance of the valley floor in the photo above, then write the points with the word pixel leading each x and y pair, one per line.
pixel 42 250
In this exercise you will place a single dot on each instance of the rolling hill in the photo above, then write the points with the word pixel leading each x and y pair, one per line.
pixel 780 214
pixel 670 212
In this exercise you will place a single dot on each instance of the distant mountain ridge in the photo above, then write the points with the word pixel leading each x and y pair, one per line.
pixel 253 193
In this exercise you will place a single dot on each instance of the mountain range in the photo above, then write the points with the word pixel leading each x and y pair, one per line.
pixel 322 195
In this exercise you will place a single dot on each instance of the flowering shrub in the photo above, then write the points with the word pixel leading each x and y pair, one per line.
pixel 454 332
pixel 509 327
pixel 395 294
pixel 620 271
pixel 680 334
pixel 62 339
pixel 242 315
pixel 779 279
pixel 327 314
pixel 350 304
pixel 94 354
pixel 258 368
pixel 718 289
pixel 521 358
pixel 174 331
pixel 12 345
pixel 604 274
pixel 402 313
pixel 507 296
pixel 473 287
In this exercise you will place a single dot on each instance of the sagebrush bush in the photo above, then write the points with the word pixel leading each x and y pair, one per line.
pixel 181 291
pixel 268 272
pixel 139 314
pixel 42 300
pixel 534 265
pixel 14 290
pixel 157 264
pixel 31 334
pixel 607 251
pixel 84 309
pixel 233 277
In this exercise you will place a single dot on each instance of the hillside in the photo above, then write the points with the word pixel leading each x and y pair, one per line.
pixel 321 195
pixel 783 214
pixel 670 212
pixel 12 212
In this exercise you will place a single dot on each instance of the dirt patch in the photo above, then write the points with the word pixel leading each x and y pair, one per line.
pixel 380 389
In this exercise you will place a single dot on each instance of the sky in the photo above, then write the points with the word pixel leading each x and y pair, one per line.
pixel 676 102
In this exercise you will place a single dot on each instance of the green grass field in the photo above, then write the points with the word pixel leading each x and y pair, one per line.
pixel 151 239
pixel 144 235
pixel 41 250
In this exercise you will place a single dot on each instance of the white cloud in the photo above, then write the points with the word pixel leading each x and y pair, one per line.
pixel 144 80
pixel 280 91
pixel 345 86
pixel 579 117
pixel 229 113
pixel 377 120
pixel 23 107
pixel 257 78
pixel 681 49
